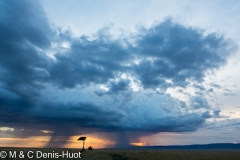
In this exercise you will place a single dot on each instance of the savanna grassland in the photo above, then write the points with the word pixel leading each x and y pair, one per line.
pixel 161 155
pixel 136 154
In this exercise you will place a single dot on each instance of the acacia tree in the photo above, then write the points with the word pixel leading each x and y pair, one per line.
pixel 82 139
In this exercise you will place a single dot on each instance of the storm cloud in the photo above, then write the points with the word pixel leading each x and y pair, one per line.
pixel 108 84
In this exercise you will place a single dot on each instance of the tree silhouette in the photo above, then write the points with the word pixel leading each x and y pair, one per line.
pixel 82 139
pixel 90 148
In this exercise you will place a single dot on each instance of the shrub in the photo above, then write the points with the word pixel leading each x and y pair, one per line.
pixel 90 148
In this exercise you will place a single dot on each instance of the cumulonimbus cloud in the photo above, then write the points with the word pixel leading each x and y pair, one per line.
pixel 101 73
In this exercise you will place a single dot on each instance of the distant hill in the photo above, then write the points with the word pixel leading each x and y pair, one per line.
pixel 195 146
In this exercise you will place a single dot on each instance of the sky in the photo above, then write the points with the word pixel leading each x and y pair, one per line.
pixel 121 73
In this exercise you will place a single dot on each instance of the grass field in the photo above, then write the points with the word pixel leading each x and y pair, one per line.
pixel 114 154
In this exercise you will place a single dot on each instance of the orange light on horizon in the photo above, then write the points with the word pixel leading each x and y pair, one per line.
pixel 138 144
pixel 92 140
pixel 41 141
pixel 235 142
pixel 34 141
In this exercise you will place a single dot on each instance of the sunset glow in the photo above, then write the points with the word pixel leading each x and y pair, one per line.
pixel 40 142
pixel 137 144
pixel 35 142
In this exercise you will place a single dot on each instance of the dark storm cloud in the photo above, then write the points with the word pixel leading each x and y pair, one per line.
pixel 181 123
pixel 166 51
pixel 94 61
pixel 199 102
pixel 178 53
pixel 24 31
pixel 162 56
pixel 83 114
pixel 115 87
pixel 206 115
